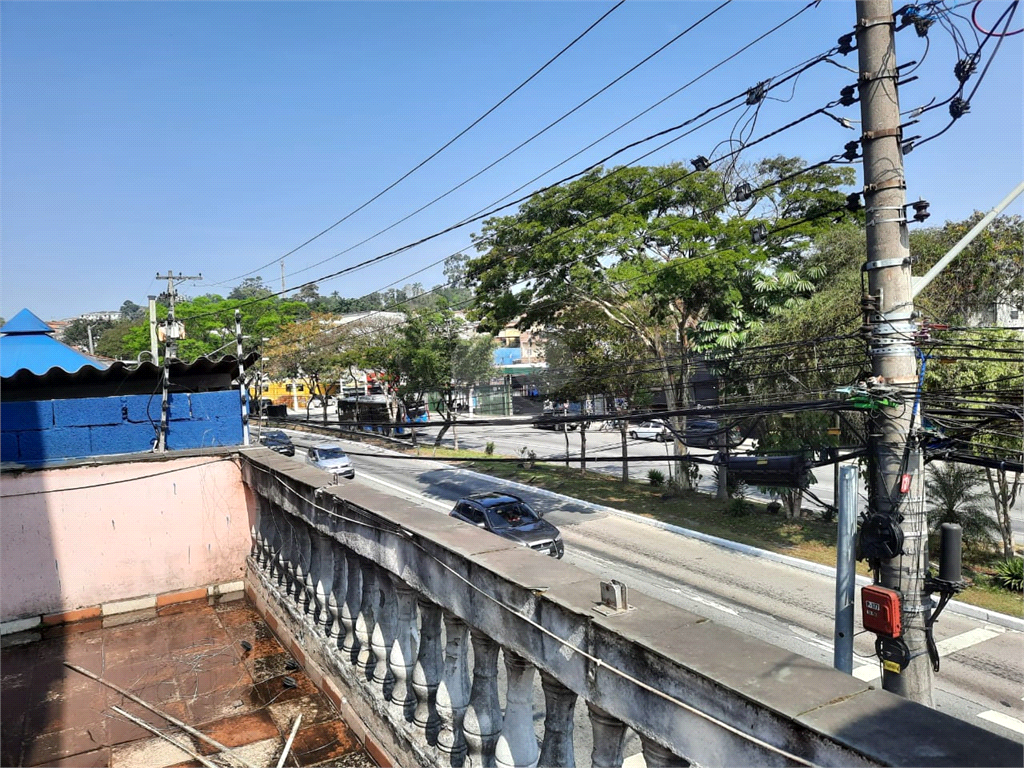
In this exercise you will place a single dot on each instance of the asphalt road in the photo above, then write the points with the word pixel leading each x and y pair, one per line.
pixel 509 440
pixel 982 672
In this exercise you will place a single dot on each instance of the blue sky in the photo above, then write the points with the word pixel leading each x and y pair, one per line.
pixel 214 138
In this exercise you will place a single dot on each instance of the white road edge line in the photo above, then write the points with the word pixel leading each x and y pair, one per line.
pixel 1010 723
pixel 405 492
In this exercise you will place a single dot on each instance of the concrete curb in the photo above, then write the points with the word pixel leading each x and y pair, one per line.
pixel 954 606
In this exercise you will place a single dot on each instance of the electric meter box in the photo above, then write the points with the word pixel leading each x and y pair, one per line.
pixel 881 610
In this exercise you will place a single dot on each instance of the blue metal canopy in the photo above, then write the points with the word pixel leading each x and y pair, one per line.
pixel 27 343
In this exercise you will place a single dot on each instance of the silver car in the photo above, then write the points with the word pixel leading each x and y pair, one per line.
pixel 330 457
pixel 650 430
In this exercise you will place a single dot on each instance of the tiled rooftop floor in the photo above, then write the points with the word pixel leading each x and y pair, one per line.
pixel 186 660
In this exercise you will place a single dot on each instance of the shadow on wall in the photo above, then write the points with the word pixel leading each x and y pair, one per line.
pixel 37 679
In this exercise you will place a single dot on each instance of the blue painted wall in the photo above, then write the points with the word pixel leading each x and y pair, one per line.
pixel 52 430
pixel 507 355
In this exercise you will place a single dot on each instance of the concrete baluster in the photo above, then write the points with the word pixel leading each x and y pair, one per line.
pixel 304 582
pixel 559 707
pixel 609 738
pixel 383 633
pixel 453 691
pixel 657 756
pixel 323 576
pixel 426 674
pixel 256 546
pixel 350 608
pixel 336 596
pixel 403 648
pixel 483 715
pixel 366 618
pixel 517 744
pixel 267 555
pixel 286 554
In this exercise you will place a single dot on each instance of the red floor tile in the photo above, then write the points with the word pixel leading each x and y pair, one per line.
pixel 187 662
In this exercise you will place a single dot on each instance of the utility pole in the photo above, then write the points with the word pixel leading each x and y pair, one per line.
pixel 171 336
pixel 896 484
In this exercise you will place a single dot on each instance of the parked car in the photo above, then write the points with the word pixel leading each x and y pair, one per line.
pixel 706 433
pixel 511 518
pixel 650 430
pixel 332 458
pixel 276 440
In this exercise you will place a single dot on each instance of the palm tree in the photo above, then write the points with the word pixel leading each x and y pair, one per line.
pixel 953 494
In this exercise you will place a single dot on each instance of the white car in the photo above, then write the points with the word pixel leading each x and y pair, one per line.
pixel 330 457
pixel 650 430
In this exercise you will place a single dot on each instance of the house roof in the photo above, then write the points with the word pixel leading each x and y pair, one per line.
pixel 27 343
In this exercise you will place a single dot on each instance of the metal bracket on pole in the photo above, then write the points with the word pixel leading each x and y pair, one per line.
pixel 866 23
pixel 882 263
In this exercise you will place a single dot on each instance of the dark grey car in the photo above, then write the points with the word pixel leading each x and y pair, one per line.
pixel 276 440
pixel 511 518
pixel 705 433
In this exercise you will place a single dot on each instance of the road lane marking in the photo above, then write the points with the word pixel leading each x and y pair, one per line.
pixel 443 507
pixel 708 603
pixel 966 640
pixel 1010 723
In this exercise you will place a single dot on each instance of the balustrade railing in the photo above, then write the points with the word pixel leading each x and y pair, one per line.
pixel 390 605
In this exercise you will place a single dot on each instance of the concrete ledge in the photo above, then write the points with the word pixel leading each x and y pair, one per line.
pixel 118 607
pixel 20 625
pixel 127 606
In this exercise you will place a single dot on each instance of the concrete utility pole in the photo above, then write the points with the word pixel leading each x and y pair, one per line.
pixel 896 477
pixel 171 336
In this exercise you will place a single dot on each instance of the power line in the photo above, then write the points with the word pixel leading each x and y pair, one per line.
pixel 441 149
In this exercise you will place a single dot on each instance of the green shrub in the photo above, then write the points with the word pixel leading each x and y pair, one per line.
pixel 656 476
pixel 738 507
pixel 489 448
pixel 1010 574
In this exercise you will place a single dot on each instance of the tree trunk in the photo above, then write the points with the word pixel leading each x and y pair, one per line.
pixel 1004 494
pixel 440 434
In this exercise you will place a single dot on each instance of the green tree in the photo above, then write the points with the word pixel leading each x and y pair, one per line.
pixel 250 288
pixel 594 358
pixel 76 334
pixel 658 250
pixel 440 353
pixel 954 495
pixel 987 272
pixel 132 311
pixel 307 350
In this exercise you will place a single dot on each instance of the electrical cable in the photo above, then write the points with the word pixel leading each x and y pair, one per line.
pixel 438 151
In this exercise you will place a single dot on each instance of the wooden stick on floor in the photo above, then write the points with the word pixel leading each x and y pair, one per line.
pixel 288 744
pixel 152 729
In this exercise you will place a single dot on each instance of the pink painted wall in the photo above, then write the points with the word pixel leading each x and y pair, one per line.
pixel 82 536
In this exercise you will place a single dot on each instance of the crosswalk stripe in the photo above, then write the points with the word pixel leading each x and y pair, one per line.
pixel 866 673
pixel 966 640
